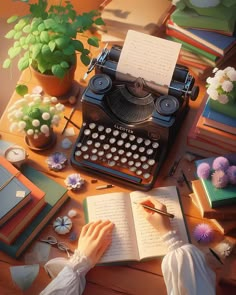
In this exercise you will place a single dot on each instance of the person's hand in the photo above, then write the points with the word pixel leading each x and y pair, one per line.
pixel 158 221
pixel 95 238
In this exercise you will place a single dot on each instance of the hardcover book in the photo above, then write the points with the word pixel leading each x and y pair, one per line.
pixel 224 226
pixel 55 197
pixel 218 197
pixel 13 193
pixel 222 213
pixel 194 49
pixel 133 233
pixel 190 19
pixel 218 120
pixel 11 229
pixel 214 42
pixel 215 135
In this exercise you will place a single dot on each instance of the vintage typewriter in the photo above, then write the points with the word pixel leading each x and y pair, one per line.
pixel 129 125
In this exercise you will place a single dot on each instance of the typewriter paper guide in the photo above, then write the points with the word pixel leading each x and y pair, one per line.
pixel 148 57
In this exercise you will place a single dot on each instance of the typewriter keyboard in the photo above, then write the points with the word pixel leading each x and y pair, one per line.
pixel 116 153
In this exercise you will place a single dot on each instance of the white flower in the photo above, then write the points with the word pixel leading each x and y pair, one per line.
pixel 54 99
pixel 227 86
pixel 35 123
pixel 222 86
pixel 30 132
pixel 46 116
pixel 223 98
pixel 46 100
pixel 59 107
pixel 18 114
pixel 44 129
pixel 14 127
pixel 32 103
pixel 21 125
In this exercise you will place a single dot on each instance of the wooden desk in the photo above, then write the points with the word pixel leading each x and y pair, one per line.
pixel 138 278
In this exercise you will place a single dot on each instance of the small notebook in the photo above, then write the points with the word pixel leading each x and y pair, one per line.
pixel 13 194
pixel 134 238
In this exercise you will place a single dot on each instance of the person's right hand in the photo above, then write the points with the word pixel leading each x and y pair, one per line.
pixel 158 221
pixel 95 238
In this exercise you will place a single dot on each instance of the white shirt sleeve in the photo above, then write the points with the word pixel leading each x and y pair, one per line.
pixel 68 275
pixel 185 269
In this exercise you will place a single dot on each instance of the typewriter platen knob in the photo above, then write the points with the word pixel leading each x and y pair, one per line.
pixel 166 105
pixel 100 83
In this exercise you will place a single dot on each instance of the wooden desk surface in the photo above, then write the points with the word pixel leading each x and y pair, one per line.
pixel 133 279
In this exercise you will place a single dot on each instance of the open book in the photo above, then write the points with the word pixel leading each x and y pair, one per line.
pixel 134 238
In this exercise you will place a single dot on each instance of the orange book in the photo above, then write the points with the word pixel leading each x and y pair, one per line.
pixel 11 229
pixel 226 212
pixel 224 226
pixel 216 135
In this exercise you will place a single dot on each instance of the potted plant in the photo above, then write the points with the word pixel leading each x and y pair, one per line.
pixel 46 40
pixel 222 91
pixel 35 116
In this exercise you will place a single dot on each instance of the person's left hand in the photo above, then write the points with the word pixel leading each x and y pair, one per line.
pixel 95 238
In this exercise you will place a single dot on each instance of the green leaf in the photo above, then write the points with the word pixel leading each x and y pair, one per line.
pixel 94 41
pixel 58 71
pixel 6 64
pixel 14 51
pixel 23 63
pixel 85 59
pixel 46 52
pixel 69 50
pixel 27 29
pixel 17 35
pixel 49 23
pixel 30 39
pixel 44 36
pixel 52 45
pixel 99 21
pixel 10 34
pixel 21 89
pixel 78 45
pixel 12 19
pixel 41 27
pixel 62 42
pixel 64 65
pixel 35 49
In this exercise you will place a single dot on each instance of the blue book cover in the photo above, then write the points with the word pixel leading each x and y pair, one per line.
pixel 218 117
pixel 220 41
pixel 13 194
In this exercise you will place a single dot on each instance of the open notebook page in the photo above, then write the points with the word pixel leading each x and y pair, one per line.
pixel 117 208
pixel 149 242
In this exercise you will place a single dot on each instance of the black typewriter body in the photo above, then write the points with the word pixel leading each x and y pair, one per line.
pixel 127 130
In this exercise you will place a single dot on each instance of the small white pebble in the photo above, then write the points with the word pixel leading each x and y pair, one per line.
pixel 37 90
pixel 72 213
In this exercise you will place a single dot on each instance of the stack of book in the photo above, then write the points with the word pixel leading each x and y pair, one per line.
pixel 144 16
pixel 207 42
pixel 212 133
pixel 29 199
pixel 218 205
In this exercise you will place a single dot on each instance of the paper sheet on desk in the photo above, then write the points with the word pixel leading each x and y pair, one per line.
pixel 149 57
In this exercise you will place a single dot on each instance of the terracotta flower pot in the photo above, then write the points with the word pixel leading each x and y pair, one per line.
pixel 53 85
pixel 42 141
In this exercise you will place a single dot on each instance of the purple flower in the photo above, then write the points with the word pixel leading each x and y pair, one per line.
pixel 219 179
pixel 220 163
pixel 203 233
pixel 203 170
pixel 231 172
pixel 74 181
pixel 56 161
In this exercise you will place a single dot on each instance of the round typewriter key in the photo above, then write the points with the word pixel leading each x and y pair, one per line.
pixel 139 140
pixel 101 128
pixel 128 154
pixel 131 163
pixel 136 156
pixel 151 162
pixel 92 125
pixel 146 175
pixel 116 132
pixel 127 145
pixel 79 144
pixel 111 163
pixel 120 142
pixel 100 83
pixel 141 149
pixel 124 135
pixel 131 137
pixel 87 132
pixel 97 144
pixel 167 105
pixel 113 149
pixel 84 148
pixel 143 159
pixel 102 137
pixel 112 140
pixel 108 130
pixel 94 157
pixel 139 172
pixel 155 145
pixel 89 142
pixel 147 142
pixel 78 153
pixel 101 153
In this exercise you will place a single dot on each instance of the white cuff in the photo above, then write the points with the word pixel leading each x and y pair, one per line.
pixel 172 240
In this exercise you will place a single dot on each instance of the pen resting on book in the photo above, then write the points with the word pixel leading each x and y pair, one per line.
pixel 158 210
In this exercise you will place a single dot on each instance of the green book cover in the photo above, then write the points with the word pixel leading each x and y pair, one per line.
pixel 218 197
pixel 189 18
pixel 194 49
pixel 55 196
